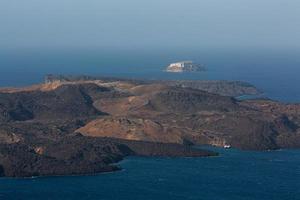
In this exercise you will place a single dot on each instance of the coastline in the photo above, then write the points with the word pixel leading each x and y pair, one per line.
pixel 82 124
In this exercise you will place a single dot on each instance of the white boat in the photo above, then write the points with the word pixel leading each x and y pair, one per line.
pixel 227 146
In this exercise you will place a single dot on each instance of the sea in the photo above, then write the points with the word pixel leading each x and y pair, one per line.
pixel 233 175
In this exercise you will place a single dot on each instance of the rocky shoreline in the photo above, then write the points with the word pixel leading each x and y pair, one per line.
pixel 83 125
pixel 80 155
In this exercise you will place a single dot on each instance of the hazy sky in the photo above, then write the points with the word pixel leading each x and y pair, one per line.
pixel 149 23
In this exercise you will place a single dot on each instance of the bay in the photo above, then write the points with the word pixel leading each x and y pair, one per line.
pixel 234 175
pixel 273 175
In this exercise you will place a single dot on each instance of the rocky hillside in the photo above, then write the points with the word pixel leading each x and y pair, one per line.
pixel 67 101
pixel 225 88
pixel 83 126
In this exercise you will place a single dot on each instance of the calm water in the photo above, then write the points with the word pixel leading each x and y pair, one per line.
pixel 234 175
pixel 274 71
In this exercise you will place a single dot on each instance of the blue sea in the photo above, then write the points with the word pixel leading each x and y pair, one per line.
pixel 234 175
pixel 275 71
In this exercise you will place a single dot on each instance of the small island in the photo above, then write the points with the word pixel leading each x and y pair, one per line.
pixel 185 66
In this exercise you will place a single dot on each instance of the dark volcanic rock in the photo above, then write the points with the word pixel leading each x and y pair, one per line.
pixel 24 161
pixel 80 155
pixel 1 171
pixel 67 101
pixel 224 88
pixel 58 128
pixel 34 132
pixel 162 149
pixel 190 101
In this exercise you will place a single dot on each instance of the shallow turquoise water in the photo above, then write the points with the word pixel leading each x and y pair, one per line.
pixel 234 175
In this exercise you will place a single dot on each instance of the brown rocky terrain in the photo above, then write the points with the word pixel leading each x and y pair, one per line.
pixel 80 155
pixel 83 125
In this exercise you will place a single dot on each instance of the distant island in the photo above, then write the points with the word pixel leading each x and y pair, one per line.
pixel 185 66
pixel 83 125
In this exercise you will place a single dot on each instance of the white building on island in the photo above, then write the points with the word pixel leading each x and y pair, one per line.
pixel 184 66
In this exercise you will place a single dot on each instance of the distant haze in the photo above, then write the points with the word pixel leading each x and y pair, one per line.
pixel 149 23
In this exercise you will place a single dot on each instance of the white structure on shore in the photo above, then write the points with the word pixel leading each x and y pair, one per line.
pixel 184 66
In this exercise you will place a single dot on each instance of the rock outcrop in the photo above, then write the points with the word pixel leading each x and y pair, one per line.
pixel 81 155
pixel 84 126
pixel 185 66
